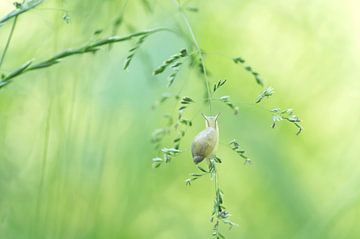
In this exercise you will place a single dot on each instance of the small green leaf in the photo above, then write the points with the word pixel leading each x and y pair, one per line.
pixel 157 159
pixel 218 160
pixel 277 118
pixel 186 100
pixel 182 107
pixel 238 60
pixel 157 162
pixel 225 98
pixel 202 169
pixel 275 110
pixel 98 32
pixel 67 18
pixel 170 151
pixel 192 9
pixel 218 85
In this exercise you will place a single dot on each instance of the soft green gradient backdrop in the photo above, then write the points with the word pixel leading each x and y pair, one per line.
pixel 75 156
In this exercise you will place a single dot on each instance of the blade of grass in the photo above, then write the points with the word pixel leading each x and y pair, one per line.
pixel 8 41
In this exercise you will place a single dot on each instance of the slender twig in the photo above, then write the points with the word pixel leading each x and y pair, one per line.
pixel 198 49
pixel 89 48
pixel 8 41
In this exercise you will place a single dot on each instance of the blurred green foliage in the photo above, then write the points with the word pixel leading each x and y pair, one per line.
pixel 75 152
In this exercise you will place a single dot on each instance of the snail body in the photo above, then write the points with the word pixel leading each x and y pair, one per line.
pixel 206 142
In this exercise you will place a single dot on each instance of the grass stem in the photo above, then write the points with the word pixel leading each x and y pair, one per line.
pixel 8 41
pixel 198 49
pixel 89 48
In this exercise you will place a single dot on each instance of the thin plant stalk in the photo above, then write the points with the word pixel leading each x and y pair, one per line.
pixel 217 189
pixel 8 41
pixel 198 49
pixel 89 48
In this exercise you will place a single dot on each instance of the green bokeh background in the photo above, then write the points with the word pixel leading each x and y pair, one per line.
pixel 75 152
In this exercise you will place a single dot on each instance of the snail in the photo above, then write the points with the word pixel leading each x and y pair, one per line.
pixel 206 142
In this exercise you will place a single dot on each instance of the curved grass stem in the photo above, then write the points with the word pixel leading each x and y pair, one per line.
pixel 89 48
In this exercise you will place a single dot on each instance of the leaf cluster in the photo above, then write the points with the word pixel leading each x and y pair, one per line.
pixel 195 176
pixel 218 85
pixel 133 50
pixel 168 154
pixel 288 115
pixel 227 101
pixel 185 101
pixel 267 92
pixel 240 60
pixel 235 146
pixel 174 63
